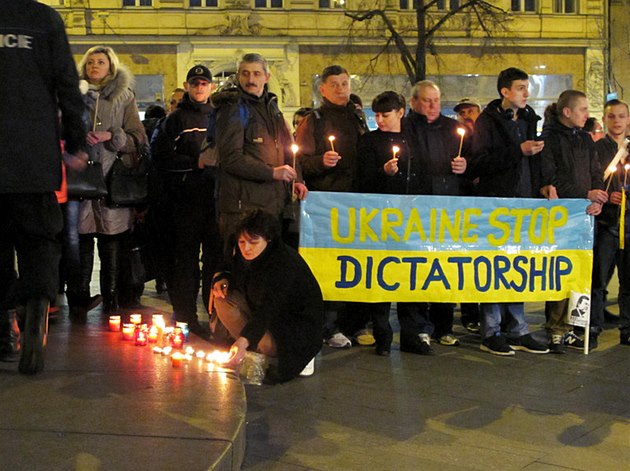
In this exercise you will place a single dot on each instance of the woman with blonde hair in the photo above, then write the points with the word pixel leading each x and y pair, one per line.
pixel 113 126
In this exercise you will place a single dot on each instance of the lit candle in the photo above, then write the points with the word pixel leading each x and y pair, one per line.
pixel 157 349
pixel 166 351
pixel 135 318
pixel 622 216
pixel 461 132
pixel 127 331
pixel 177 359
pixel 141 337
pixel 153 334
pixel 189 350
pixel 611 170
pixel 395 151
pixel 184 327
pixel 200 354
pixel 114 323
pixel 331 139
pixel 157 318
pixel 177 338
pixel 294 149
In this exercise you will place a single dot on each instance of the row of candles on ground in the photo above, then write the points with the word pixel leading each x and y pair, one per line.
pixel 168 340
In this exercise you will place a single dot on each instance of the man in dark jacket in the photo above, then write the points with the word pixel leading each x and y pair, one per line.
pixel 188 199
pixel 505 158
pixel 39 78
pixel 606 251
pixel 435 142
pixel 254 156
pixel 571 165
pixel 328 139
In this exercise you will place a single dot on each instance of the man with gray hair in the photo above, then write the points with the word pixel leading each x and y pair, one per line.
pixel 435 143
pixel 253 144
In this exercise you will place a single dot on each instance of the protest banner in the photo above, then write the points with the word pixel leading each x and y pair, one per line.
pixel 373 248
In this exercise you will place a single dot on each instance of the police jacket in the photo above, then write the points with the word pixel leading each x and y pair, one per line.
pixel 185 129
pixel 569 161
pixel 497 159
pixel 38 78
pixel 248 154
pixel 346 124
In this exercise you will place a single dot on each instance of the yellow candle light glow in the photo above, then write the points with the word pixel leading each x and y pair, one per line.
pixel 395 150
pixel 114 323
pixel 612 170
pixel 135 318
pixel 177 359
pixel 153 334
pixel 294 149
pixel 331 139
pixel 200 354
pixel 462 133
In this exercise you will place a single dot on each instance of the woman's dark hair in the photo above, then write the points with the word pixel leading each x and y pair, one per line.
pixel 260 223
pixel 388 101
pixel 589 126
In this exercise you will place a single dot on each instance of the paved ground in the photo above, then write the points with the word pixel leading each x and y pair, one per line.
pixel 103 404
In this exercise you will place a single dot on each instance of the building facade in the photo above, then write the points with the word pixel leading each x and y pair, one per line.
pixel 562 43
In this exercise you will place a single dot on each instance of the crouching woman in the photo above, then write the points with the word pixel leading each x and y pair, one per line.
pixel 268 299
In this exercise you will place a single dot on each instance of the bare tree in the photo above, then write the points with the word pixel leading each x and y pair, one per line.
pixel 488 18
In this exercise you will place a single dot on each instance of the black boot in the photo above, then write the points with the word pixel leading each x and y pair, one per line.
pixel 109 252
pixel 9 336
pixel 34 335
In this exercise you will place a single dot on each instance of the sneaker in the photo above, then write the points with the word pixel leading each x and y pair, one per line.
pixel 527 343
pixel 571 340
pixel 420 345
pixel 309 369
pixel 339 341
pixel 497 345
pixel 472 327
pixel 364 338
pixel 449 340
pixel 556 346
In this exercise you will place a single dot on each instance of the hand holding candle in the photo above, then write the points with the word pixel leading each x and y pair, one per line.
pixel 331 157
pixel 611 170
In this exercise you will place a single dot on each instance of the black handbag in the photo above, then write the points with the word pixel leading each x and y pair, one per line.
pixel 86 184
pixel 129 177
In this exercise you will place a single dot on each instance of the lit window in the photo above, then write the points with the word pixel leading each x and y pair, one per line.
pixel 204 3
pixel 332 3
pixel 564 6
pixel 524 5
pixel 137 3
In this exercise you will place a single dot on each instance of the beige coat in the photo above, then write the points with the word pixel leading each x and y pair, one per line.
pixel 117 113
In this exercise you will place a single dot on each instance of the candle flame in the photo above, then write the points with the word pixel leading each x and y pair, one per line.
pixel 218 357
pixel 294 148
pixel 395 149
pixel 461 131
pixel 626 167
pixel 331 138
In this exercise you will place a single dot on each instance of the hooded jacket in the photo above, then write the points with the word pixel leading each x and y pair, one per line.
pixel 569 161
pixel 117 113
pixel 38 78
pixel 248 155
pixel 497 159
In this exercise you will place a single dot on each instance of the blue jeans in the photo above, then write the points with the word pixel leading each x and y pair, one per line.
pixel 491 315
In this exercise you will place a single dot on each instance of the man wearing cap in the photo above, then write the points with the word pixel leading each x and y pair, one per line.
pixel 467 110
pixel 189 199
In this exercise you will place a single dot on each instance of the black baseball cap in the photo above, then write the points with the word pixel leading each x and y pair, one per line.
pixel 199 71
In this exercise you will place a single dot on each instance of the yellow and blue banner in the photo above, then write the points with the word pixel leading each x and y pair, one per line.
pixel 372 248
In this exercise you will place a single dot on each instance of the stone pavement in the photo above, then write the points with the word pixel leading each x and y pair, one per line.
pixel 103 404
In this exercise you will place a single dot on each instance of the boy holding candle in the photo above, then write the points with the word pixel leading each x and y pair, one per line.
pixel 606 250
pixel 570 164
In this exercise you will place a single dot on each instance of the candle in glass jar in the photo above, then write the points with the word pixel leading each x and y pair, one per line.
pixel 177 338
pixel 135 318
pixel 128 331
pixel 114 323
pixel 141 337
pixel 177 359
pixel 184 327
pixel 153 334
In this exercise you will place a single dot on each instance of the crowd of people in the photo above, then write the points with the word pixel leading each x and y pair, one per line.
pixel 225 192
